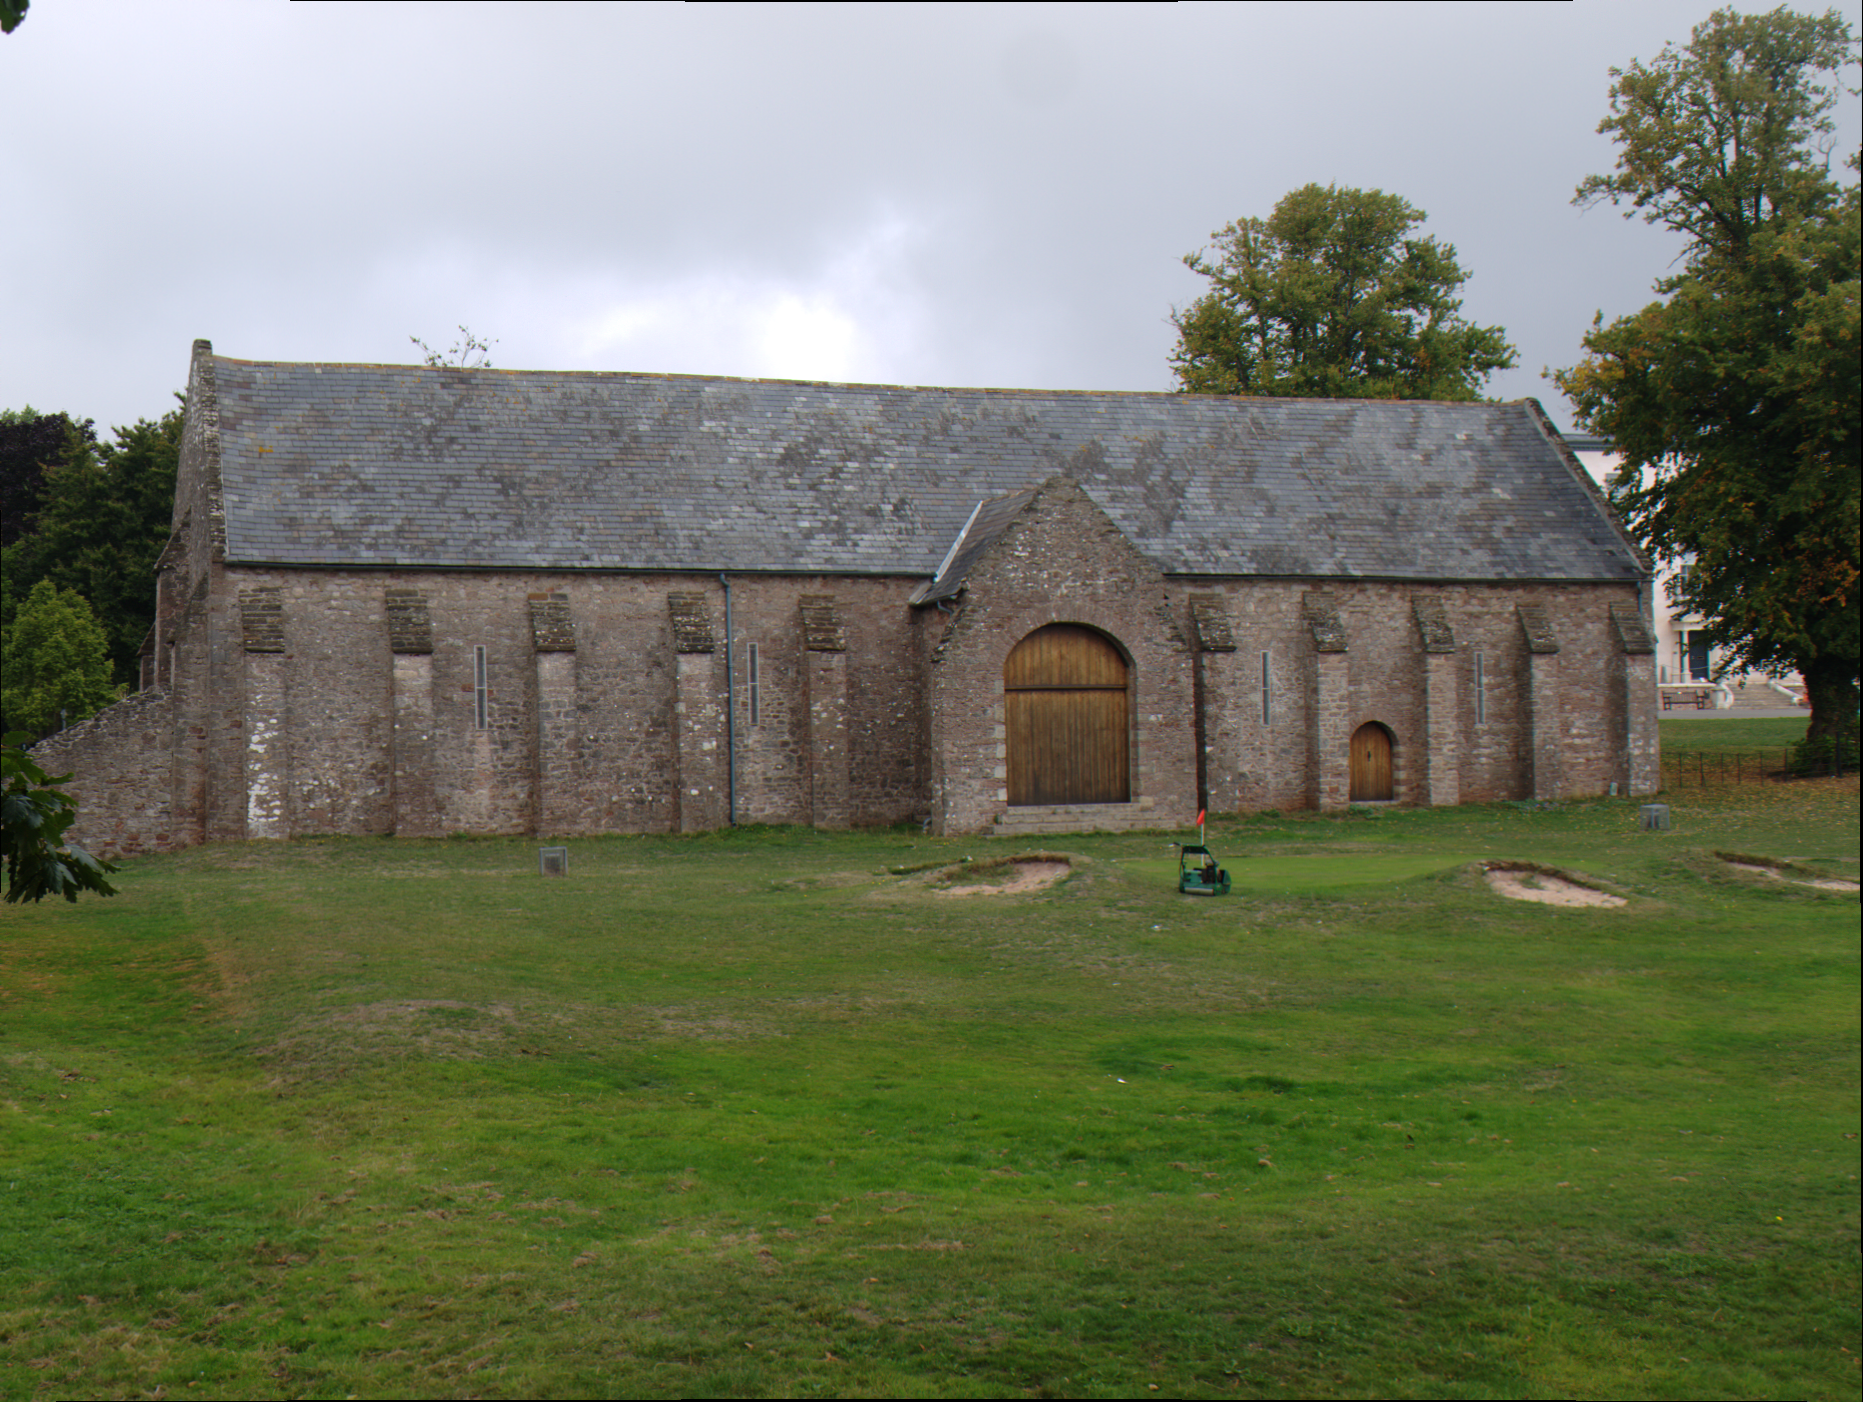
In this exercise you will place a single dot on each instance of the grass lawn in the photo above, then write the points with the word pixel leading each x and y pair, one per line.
pixel 1770 735
pixel 751 1114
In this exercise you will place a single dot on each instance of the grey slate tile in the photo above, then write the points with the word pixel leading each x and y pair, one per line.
pixel 405 465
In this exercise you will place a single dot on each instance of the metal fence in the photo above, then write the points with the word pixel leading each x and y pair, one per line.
pixel 1707 768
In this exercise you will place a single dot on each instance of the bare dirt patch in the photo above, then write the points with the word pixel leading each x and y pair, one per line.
pixel 1016 876
pixel 827 881
pixel 1526 883
pixel 1772 873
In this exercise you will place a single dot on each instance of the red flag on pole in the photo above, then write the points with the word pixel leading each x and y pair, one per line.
pixel 1199 817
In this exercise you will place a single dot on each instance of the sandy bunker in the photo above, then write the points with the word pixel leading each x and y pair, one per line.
pixel 1823 883
pixel 1029 875
pixel 1527 884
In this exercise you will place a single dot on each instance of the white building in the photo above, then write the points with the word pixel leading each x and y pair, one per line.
pixel 1685 661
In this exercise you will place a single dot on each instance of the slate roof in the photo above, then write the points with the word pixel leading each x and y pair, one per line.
pixel 984 528
pixel 388 465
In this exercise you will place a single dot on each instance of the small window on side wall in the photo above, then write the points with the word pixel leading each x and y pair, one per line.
pixel 480 692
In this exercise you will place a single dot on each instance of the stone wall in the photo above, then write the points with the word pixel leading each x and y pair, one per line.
pixel 1060 561
pixel 1475 713
pixel 123 777
pixel 311 702
pixel 350 701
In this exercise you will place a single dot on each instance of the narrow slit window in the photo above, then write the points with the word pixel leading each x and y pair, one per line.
pixel 479 690
pixel 754 678
pixel 1481 691
pixel 1267 691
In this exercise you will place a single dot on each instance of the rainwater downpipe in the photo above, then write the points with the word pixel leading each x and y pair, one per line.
pixel 730 708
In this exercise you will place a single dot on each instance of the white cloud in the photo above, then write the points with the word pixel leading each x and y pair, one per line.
pixel 858 315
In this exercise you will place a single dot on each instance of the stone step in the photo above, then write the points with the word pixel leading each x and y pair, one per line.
pixel 1757 696
pixel 1079 817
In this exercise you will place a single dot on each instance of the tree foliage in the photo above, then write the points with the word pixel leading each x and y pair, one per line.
pixel 56 670
pixel 34 816
pixel 1734 402
pixel 29 441
pixel 1730 135
pixel 1330 297
pixel 97 519
pixel 468 353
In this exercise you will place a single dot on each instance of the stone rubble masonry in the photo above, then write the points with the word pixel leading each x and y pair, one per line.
pixel 1442 778
pixel 1215 673
pixel 1329 677
pixel 300 702
pixel 124 784
pixel 410 626
pixel 416 810
pixel 825 674
pixel 1541 684
pixel 1209 621
pixel 692 622
pixel 552 627
pixel 1060 560
pixel 1433 628
pixel 821 624
pixel 1631 715
pixel 1566 734
pixel 262 619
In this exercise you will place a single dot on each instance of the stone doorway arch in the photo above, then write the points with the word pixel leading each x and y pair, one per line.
pixel 1372 780
pixel 1066 698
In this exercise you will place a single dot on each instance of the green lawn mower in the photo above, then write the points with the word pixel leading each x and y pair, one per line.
pixel 1197 872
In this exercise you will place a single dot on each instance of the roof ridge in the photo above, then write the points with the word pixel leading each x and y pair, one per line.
pixel 685 375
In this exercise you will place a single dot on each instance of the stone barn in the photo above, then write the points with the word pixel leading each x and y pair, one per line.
pixel 423 601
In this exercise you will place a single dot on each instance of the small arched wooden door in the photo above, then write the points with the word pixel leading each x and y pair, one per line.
pixel 1064 690
pixel 1371 763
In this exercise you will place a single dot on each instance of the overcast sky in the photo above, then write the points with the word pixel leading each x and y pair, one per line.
pixel 993 196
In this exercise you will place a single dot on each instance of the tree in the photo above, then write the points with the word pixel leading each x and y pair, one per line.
pixel 470 354
pixel 56 670
pixel 29 441
pixel 34 814
pixel 1734 402
pixel 1730 135
pixel 98 522
pixel 1328 297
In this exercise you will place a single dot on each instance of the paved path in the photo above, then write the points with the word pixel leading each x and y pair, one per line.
pixel 1740 713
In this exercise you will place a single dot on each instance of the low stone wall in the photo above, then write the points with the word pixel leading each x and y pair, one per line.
pixel 121 766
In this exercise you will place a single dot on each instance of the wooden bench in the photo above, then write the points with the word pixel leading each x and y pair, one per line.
pixel 1702 699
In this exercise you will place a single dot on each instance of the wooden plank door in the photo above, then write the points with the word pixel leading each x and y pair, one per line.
pixel 1371 763
pixel 1065 694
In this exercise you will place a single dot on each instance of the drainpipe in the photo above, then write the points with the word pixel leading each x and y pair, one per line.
pixel 730 708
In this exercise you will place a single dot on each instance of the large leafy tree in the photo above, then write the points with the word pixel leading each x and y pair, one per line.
pixel 29 441
pixel 1734 400
pixel 1332 297
pixel 56 670
pixel 97 521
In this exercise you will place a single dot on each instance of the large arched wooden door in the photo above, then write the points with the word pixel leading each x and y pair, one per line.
pixel 1064 687
pixel 1371 763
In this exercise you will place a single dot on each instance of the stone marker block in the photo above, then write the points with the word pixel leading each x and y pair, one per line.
pixel 1653 817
